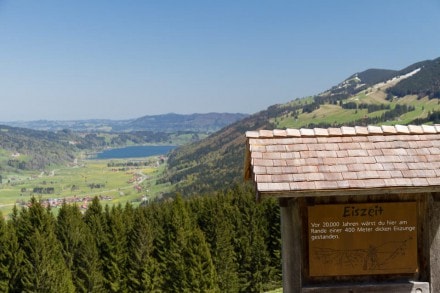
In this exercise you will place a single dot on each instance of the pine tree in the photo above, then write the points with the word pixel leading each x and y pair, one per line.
pixel 16 252
pixel 5 255
pixel 221 243
pixel 177 225
pixel 70 231
pixel 251 251
pixel 155 214
pixel 213 218
pixel 225 258
pixel 271 211
pixel 142 268
pixel 201 274
pixel 87 265
pixel 114 251
pixel 95 220
pixel 189 266
pixel 128 216
pixel 79 249
pixel 43 268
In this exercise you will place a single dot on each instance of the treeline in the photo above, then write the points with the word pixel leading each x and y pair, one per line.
pixel 370 107
pixel 129 164
pixel 433 116
pixel 17 164
pixel 397 111
pixel 92 141
pixel 220 243
pixel 44 190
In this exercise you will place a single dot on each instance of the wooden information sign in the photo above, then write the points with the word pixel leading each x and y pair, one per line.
pixel 362 239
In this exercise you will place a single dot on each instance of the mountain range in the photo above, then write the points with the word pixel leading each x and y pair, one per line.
pixel 171 122
pixel 370 97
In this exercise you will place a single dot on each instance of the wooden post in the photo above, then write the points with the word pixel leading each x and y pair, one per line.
pixel 434 231
pixel 291 245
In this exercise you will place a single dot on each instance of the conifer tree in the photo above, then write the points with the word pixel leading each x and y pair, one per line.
pixel 155 214
pixel 213 218
pixel 251 251
pixel 225 258
pixel 177 225
pixel 189 266
pixel 95 220
pixel 69 230
pixel 16 252
pixel 271 211
pixel 5 256
pixel 128 216
pixel 201 274
pixel 79 249
pixel 114 253
pixel 142 268
pixel 43 268
pixel 220 243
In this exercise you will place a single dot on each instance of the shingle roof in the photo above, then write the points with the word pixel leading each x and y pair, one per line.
pixel 346 160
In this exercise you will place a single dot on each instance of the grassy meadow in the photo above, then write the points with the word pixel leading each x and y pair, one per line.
pixel 111 180
pixel 334 114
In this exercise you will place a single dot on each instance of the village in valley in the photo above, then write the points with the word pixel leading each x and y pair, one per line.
pixel 113 181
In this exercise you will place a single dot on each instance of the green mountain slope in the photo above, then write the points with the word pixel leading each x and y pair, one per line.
pixel 209 122
pixel 32 149
pixel 214 162
pixel 365 98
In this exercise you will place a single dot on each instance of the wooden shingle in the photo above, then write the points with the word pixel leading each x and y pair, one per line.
pixel 346 160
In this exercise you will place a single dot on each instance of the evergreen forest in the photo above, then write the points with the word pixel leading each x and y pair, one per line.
pixel 225 242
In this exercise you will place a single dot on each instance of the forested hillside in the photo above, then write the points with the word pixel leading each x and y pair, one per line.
pixel 215 162
pixel 209 122
pixel 165 123
pixel 221 243
pixel 36 149
pixel 371 97
pixel 425 83
pixel 28 149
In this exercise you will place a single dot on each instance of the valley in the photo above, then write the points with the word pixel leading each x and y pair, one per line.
pixel 210 157
pixel 114 181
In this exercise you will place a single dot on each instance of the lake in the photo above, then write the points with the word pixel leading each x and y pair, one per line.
pixel 135 152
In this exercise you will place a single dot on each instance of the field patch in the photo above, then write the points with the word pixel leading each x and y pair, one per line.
pixel 113 181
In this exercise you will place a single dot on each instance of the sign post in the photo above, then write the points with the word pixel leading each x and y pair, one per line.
pixel 360 206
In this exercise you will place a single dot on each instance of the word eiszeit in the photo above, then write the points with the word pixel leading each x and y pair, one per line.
pixel 353 211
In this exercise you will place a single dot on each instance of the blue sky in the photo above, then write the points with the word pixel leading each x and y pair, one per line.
pixel 63 60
